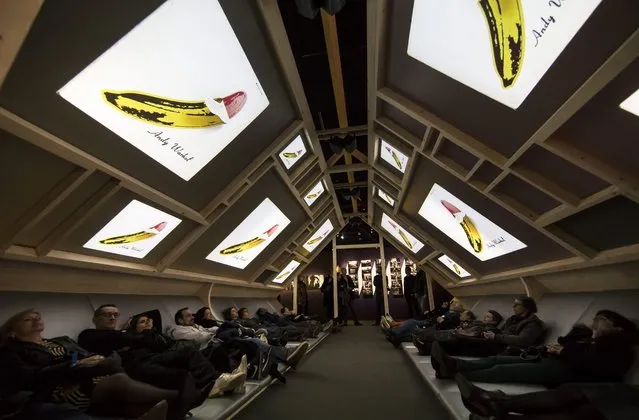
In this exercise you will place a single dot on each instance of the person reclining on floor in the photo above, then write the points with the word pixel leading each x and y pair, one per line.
pixel 150 356
pixel 161 356
pixel 277 336
pixel 403 333
pixel 231 329
pixel 469 327
pixel 574 401
pixel 204 318
pixel 434 317
pixel 310 328
pixel 522 330
pixel 604 357
pixel 59 370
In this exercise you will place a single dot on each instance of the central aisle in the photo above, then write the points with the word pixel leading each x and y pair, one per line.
pixel 355 374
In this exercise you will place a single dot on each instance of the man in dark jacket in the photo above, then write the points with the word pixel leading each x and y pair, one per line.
pixel 605 358
pixel 420 292
pixel 409 294
pixel 573 401
pixel 379 298
pixel 523 329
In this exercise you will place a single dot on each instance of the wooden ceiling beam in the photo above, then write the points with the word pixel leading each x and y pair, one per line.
pixel 356 130
pixel 354 167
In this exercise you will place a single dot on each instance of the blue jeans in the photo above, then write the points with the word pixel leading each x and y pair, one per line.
pixel 277 351
pixel 408 326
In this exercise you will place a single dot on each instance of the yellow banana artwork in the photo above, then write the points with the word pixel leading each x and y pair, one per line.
pixel 469 227
pixel 134 237
pixel 167 112
pixel 252 243
pixel 505 20
pixel 399 230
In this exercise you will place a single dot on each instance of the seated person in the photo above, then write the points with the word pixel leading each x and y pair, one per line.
pixel 58 370
pixel 574 401
pixel 152 357
pixel 606 357
pixel 310 328
pixel 204 318
pixel 434 317
pixel 277 336
pixel 161 360
pixel 448 321
pixel 468 327
pixel 523 329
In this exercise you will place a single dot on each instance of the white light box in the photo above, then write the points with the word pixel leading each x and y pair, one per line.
pixel 314 193
pixel 461 223
pixel 251 236
pixel 320 234
pixel 453 266
pixel 288 270
pixel 134 231
pixel 501 49
pixel 631 104
pixel 178 86
pixel 393 157
pixel 293 152
pixel 400 234
pixel 386 197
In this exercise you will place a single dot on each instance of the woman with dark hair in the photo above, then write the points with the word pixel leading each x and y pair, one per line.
pixel 204 317
pixel 605 357
pixel 59 370
pixel 522 330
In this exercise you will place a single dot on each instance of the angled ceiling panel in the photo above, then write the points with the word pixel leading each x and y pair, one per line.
pixel 539 248
pixel 72 35
pixel 498 126
pixel 421 254
pixel 40 176
pixel 269 186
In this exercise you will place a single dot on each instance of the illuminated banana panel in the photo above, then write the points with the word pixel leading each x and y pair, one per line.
pixel 293 152
pixel 160 91
pixel 461 223
pixel 314 193
pixel 453 266
pixel 288 270
pixel 400 234
pixel 251 237
pixel 386 197
pixel 320 234
pixel 632 103
pixel 393 157
pixel 500 48
pixel 134 231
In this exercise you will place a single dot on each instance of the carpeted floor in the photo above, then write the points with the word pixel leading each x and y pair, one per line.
pixel 355 374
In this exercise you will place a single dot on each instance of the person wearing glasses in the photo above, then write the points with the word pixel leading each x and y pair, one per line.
pixel 604 357
pixel 522 330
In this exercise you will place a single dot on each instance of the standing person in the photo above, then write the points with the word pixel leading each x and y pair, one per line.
pixel 352 295
pixel 342 299
pixel 409 293
pixel 420 292
pixel 379 298
pixel 302 298
pixel 327 295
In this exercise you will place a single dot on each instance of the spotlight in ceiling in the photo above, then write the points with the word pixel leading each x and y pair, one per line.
pixel 310 8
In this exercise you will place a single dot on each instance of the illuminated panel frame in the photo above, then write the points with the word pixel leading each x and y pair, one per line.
pixel 286 272
pixel 631 104
pixel 467 227
pixel 391 155
pixel 181 116
pixel 401 234
pixel 453 266
pixel 134 231
pixel 320 234
pixel 314 193
pixel 293 152
pixel 251 236
pixel 387 198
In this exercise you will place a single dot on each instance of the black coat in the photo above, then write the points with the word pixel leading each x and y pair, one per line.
pixel 522 332
pixel 604 359
pixel 30 367
pixel 379 287
pixel 409 284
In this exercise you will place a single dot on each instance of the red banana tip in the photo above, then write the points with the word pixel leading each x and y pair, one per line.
pixel 450 207
pixel 271 230
pixel 159 226
pixel 234 103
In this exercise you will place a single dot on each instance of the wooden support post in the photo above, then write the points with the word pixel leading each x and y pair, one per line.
pixel 295 303
pixel 334 274
pixel 431 297
pixel 384 279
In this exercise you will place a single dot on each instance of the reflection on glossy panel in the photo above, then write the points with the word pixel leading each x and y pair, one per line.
pixel 401 234
pixel 286 272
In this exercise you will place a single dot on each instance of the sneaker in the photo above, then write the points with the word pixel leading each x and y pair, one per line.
pixel 298 353
pixel 477 400
pixel 328 326
pixel 385 325
pixel 389 318
pixel 445 366
pixel 242 367
pixel 227 382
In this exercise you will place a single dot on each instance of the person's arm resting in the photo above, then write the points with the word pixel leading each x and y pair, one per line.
pixel 528 336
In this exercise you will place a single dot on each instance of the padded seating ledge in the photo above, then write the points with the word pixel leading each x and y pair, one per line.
pixel 559 311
